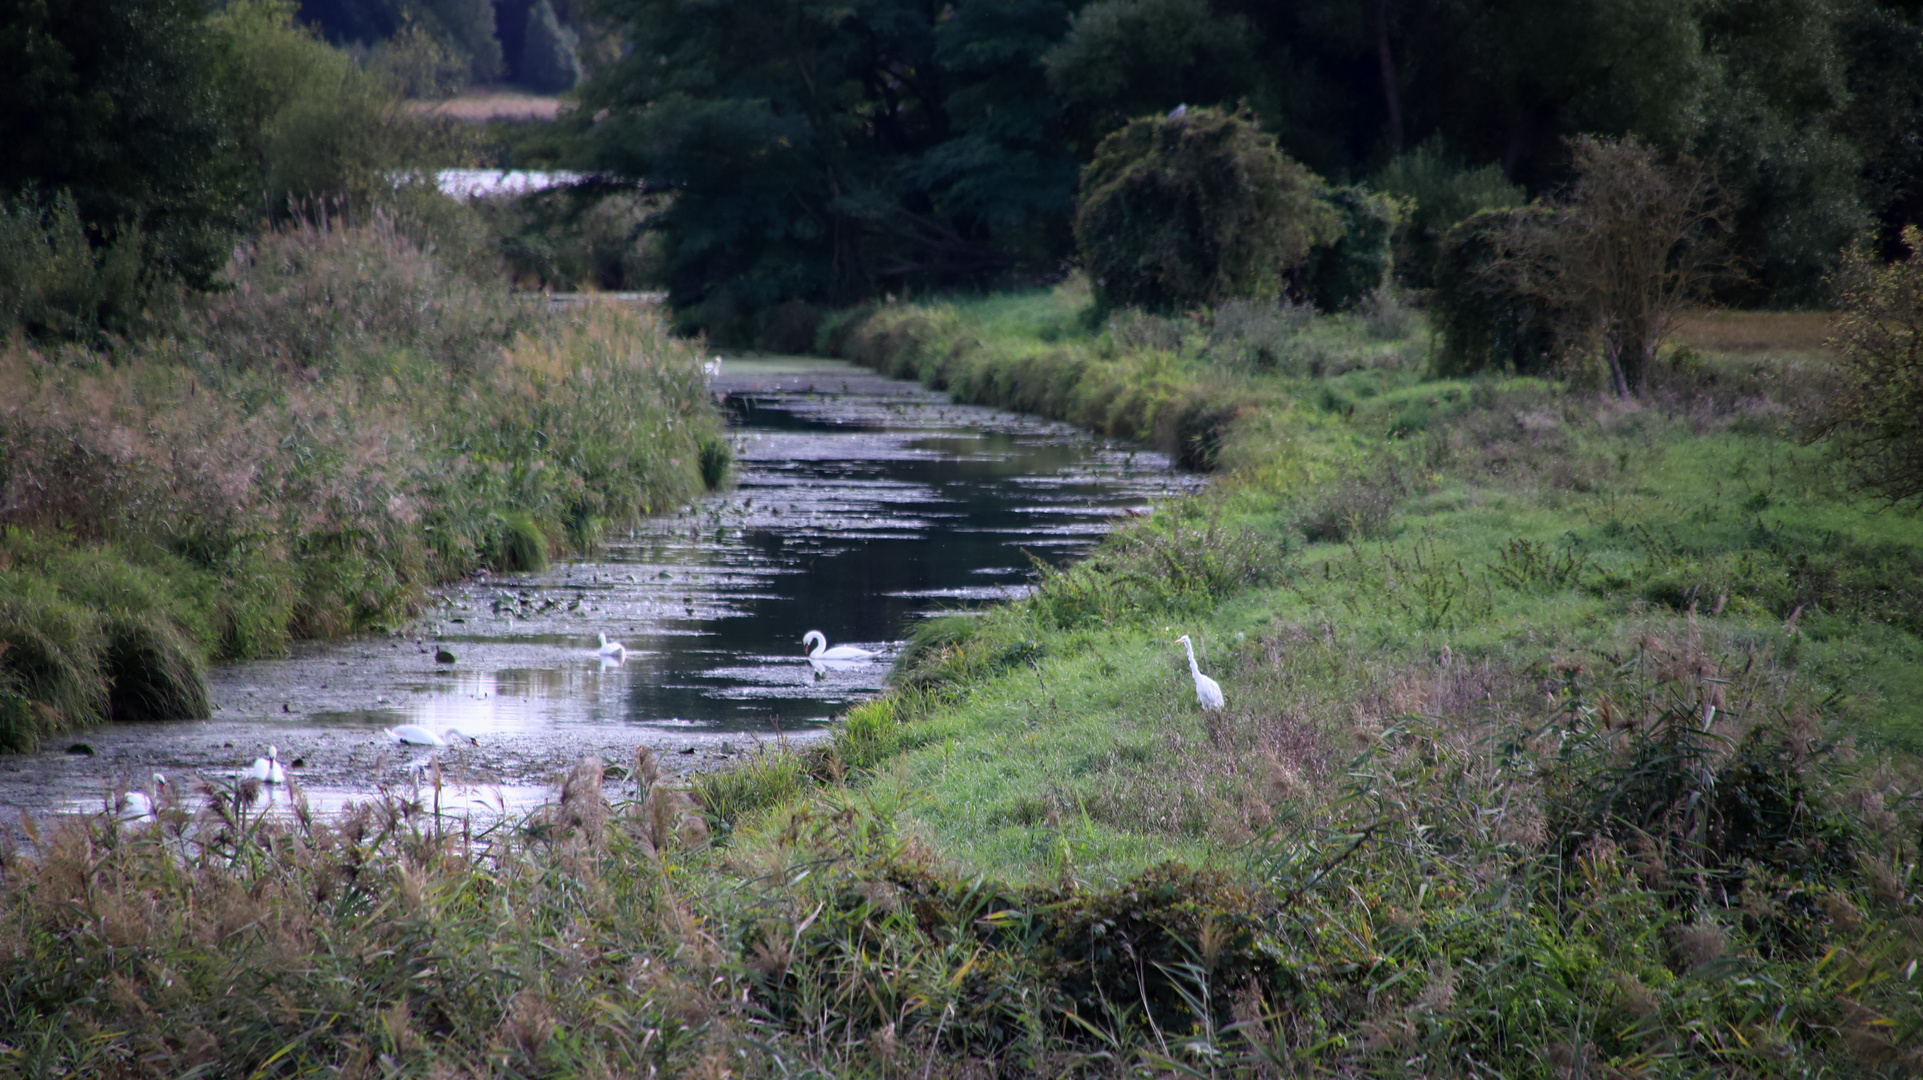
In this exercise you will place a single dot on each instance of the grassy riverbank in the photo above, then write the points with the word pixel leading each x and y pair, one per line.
pixel 302 456
pixel 1565 737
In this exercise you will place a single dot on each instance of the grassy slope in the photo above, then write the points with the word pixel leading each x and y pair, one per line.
pixel 1697 496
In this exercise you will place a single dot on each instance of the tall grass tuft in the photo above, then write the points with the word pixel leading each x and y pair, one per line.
pixel 523 546
pixel 717 457
pixel 154 672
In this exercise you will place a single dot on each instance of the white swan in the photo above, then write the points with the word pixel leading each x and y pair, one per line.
pixel 613 650
pixel 1207 690
pixel 839 652
pixel 267 770
pixel 137 805
pixel 416 735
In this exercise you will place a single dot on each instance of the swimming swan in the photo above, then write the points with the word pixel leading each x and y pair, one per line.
pixel 839 652
pixel 267 770
pixel 137 805
pixel 612 649
pixel 1207 690
pixel 416 735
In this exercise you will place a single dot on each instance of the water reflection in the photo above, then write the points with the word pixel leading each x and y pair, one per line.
pixel 863 504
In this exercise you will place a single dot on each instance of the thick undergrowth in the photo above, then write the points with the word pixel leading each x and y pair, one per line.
pixel 351 422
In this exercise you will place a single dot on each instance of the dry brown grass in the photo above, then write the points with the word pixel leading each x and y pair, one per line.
pixel 481 106
pixel 1755 331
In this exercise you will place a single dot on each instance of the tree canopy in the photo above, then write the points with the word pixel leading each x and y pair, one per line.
pixel 823 151
pixel 116 101
pixel 143 135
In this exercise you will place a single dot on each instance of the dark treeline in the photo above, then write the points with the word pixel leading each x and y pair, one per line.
pixel 824 152
pixel 813 154
pixel 437 46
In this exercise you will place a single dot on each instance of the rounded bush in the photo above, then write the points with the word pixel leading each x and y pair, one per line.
pixel 1178 211
pixel 1342 274
pixel 1487 319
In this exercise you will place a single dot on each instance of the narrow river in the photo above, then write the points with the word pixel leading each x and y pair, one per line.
pixel 862 504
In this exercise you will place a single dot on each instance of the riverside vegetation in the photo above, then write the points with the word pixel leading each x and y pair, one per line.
pixel 303 455
pixel 1567 735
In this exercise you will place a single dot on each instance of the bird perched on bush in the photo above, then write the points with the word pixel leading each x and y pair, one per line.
pixel 1207 690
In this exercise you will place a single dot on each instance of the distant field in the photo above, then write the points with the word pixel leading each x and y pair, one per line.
pixel 1756 331
pixel 478 107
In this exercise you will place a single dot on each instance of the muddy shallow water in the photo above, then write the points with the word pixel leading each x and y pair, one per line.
pixel 862 504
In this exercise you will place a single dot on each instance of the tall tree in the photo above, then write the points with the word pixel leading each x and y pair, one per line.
pixel 1883 49
pixel 1122 59
pixel 821 150
pixel 1006 174
pixel 115 101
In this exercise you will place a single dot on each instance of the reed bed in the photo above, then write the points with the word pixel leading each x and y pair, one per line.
pixel 351 423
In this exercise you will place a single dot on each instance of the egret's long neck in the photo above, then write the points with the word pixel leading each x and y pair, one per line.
pixel 1193 669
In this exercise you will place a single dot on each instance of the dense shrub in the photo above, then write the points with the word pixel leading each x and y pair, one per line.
pixel 414 63
pixel 308 123
pixel 1634 241
pixel 56 282
pixel 1441 191
pixel 1343 274
pixel 1876 422
pixel 570 239
pixel 119 103
pixel 1487 318
pixel 1193 209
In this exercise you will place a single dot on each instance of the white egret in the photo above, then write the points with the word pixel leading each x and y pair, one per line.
pixel 416 735
pixel 267 770
pixel 1207 690
pixel 613 650
pixel 839 652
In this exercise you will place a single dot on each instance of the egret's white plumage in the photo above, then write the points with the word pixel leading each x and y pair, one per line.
pixel 416 735
pixel 821 651
pixel 612 649
pixel 1207 690
pixel 267 770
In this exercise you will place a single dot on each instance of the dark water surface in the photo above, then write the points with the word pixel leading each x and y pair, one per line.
pixel 862 505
